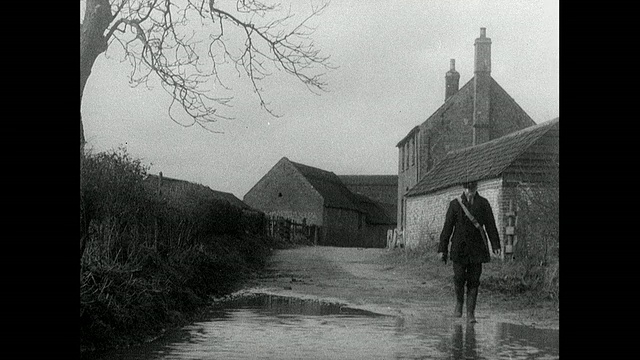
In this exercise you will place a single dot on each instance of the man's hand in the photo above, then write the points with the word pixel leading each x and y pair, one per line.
pixel 443 257
pixel 497 251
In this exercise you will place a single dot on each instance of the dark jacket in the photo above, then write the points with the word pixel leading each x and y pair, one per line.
pixel 466 243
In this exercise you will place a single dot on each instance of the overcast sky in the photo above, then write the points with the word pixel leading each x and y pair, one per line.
pixel 392 57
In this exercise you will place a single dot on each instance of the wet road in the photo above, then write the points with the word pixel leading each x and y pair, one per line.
pixel 273 327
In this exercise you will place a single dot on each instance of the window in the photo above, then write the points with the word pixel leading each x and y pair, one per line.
pixel 402 158
pixel 413 151
pixel 406 158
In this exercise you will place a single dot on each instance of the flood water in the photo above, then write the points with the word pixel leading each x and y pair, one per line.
pixel 273 327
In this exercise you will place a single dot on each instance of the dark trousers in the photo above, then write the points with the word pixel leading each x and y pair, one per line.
pixel 467 273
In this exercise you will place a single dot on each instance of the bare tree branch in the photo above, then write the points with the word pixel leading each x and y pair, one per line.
pixel 188 44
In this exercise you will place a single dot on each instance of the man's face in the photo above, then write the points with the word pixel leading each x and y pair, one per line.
pixel 469 192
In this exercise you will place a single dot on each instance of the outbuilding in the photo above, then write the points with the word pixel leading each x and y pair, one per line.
pixel 312 196
pixel 502 167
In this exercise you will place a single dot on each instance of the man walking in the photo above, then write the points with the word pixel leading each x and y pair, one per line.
pixel 467 218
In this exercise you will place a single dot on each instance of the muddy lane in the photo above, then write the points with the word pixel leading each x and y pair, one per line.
pixel 366 278
pixel 336 303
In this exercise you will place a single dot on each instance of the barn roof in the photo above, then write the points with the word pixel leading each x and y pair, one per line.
pixel 219 195
pixel 484 161
pixel 386 180
pixel 232 199
pixel 328 184
pixel 376 212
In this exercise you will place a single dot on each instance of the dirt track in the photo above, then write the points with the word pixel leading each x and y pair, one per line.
pixel 373 279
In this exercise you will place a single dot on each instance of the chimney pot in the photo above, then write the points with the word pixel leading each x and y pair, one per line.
pixel 452 80
pixel 482 86
pixel 482 57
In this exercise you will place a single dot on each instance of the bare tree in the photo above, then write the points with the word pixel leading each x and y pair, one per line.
pixel 189 44
pixel 186 43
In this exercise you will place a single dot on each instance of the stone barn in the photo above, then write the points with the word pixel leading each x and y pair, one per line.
pixel 478 112
pixel 522 159
pixel 306 194
pixel 381 188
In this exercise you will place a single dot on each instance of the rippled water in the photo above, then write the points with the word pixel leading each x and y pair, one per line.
pixel 272 327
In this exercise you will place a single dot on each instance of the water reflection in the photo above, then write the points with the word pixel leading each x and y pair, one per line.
pixel 271 327
pixel 524 342
pixel 464 347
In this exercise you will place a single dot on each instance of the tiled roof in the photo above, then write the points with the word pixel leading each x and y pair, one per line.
pixel 328 184
pixel 484 161
pixel 391 180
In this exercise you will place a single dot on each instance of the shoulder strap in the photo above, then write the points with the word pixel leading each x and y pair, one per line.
pixel 466 211
pixel 475 222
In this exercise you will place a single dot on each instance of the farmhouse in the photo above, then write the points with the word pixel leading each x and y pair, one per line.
pixel 502 167
pixel 478 112
pixel 313 196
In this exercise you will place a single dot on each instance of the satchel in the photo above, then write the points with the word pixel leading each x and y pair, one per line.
pixel 475 222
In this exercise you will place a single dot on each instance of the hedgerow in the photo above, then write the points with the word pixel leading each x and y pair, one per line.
pixel 151 257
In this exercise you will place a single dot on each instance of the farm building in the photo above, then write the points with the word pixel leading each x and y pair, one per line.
pixel 503 167
pixel 313 196
pixel 229 213
pixel 381 188
pixel 169 185
pixel 478 112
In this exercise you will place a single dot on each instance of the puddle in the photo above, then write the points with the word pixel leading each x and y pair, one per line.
pixel 276 327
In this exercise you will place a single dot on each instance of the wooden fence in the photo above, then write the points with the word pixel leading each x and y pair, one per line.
pixel 293 232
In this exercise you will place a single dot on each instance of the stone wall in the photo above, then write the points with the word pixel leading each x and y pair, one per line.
pixel 426 213
pixel 283 191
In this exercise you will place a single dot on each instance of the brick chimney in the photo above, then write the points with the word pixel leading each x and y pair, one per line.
pixel 452 80
pixel 482 87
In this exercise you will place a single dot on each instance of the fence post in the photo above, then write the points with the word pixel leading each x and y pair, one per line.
pixel 315 235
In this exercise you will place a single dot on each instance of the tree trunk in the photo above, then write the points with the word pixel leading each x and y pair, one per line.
pixel 97 17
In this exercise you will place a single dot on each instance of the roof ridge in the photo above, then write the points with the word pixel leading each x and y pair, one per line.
pixel 328 177
pixel 505 137
pixel 311 167
pixel 512 145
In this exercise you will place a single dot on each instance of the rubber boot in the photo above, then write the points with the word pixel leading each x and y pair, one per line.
pixel 459 300
pixel 472 296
